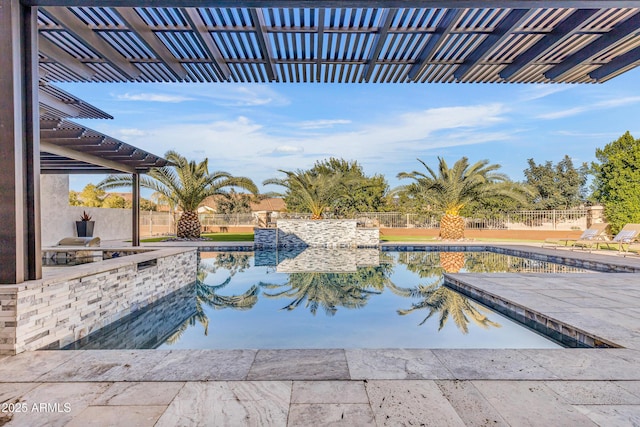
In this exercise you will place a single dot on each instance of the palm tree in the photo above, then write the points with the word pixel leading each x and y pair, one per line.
pixel 449 190
pixel 313 192
pixel 186 184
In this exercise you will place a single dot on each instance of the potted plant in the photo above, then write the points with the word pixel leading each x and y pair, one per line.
pixel 84 227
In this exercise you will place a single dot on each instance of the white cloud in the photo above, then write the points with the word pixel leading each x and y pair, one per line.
pixel 153 97
pixel 539 91
pixel 244 147
pixel 611 103
pixel 287 149
pixel 132 132
pixel 322 124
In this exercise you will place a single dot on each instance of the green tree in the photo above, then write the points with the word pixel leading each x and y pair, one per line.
pixel 307 192
pixel 91 196
pixel 359 193
pixel 74 198
pixel 186 184
pixel 147 205
pixel 617 181
pixel 559 186
pixel 114 201
pixel 334 185
pixel 449 190
pixel 234 203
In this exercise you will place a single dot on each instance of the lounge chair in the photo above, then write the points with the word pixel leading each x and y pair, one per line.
pixel 594 233
pixel 630 233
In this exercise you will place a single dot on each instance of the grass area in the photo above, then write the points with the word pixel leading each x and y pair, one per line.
pixel 214 237
pixel 392 238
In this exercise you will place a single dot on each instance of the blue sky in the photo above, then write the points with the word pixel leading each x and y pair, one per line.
pixel 255 129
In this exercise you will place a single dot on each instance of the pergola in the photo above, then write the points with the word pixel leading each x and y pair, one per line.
pixel 347 41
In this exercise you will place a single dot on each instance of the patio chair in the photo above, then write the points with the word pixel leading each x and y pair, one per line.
pixel 630 233
pixel 591 234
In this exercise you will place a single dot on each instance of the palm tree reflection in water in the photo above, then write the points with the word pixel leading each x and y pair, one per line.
pixel 332 290
pixel 352 290
pixel 207 295
pixel 437 298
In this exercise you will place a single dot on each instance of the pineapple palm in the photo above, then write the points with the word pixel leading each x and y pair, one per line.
pixel 186 184
pixel 449 190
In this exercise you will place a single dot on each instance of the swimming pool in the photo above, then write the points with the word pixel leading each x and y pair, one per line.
pixel 328 298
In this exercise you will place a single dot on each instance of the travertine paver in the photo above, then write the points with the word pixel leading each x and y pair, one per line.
pixel 106 365
pixel 396 364
pixel 299 364
pixel 139 394
pixel 523 403
pixel 131 416
pixel 29 366
pixel 472 407
pixel 329 392
pixel 339 414
pixel 631 386
pixel 55 404
pixel 259 403
pixel 593 393
pixel 202 365
pixel 410 402
pixel 502 364
pixel 584 364
pixel 611 415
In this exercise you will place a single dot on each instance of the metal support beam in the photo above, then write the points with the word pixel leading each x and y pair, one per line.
pixel 61 57
pixel 616 66
pixel 320 25
pixel 84 157
pixel 514 19
pixel 72 24
pixel 70 110
pixel 135 210
pixel 20 248
pixel 513 4
pixel 565 29
pixel 606 41
pixel 201 32
pixel 386 20
pixel 131 18
pixel 435 41
pixel 265 46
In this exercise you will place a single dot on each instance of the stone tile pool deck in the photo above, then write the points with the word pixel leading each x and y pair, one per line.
pixel 354 387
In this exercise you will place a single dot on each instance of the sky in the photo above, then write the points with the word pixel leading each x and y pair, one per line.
pixel 254 130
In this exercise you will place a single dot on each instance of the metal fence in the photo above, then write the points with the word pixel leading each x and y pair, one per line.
pixel 164 223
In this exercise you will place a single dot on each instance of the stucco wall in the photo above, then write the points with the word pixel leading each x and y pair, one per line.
pixel 59 219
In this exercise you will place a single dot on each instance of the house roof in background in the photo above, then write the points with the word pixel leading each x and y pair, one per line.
pixel 333 41
pixel 273 204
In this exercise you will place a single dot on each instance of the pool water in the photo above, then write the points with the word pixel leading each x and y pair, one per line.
pixel 323 298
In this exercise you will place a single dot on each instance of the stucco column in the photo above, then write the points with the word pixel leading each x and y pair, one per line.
pixel 20 255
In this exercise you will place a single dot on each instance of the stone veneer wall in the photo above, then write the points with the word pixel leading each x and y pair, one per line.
pixel 334 260
pixel 71 302
pixel 321 233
